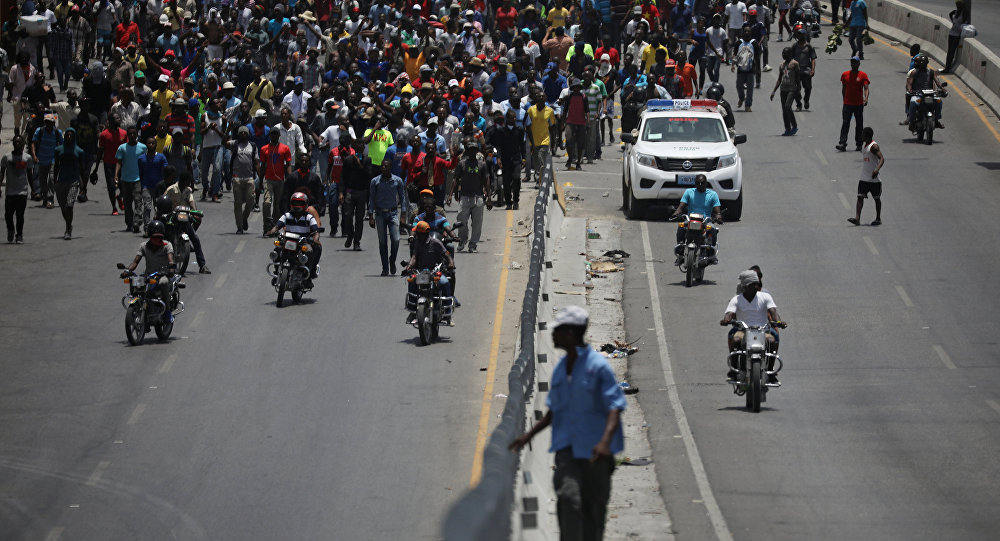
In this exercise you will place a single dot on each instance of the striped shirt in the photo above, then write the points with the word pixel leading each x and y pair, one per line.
pixel 302 225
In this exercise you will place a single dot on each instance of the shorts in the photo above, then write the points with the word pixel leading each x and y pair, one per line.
pixel 66 193
pixel 865 187
pixel 772 332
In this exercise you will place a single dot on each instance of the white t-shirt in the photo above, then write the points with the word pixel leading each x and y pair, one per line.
pixel 753 313
pixel 717 36
pixel 735 12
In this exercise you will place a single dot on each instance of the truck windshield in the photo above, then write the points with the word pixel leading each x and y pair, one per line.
pixel 680 129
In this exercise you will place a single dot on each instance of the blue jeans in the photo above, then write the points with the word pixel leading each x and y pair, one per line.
pixel 333 207
pixel 210 161
pixel 856 41
pixel 387 229
pixel 63 70
pixel 713 68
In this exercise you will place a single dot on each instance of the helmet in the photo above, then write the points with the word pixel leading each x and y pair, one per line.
pixel 298 201
pixel 921 60
pixel 164 204
pixel 156 228
pixel 715 91
pixel 422 227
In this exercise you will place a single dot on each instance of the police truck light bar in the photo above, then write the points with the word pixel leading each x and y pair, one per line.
pixel 676 105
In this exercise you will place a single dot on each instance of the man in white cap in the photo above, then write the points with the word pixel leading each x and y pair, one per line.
pixel 585 404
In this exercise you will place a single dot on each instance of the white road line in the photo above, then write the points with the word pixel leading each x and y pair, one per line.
pixel 55 533
pixel 167 364
pixel 98 472
pixel 993 404
pixel 944 357
pixel 240 246
pixel 904 296
pixel 722 532
pixel 843 201
pixel 136 413
pixel 221 280
pixel 822 158
pixel 196 320
pixel 871 245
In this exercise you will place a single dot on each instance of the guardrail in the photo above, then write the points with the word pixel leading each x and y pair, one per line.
pixel 484 512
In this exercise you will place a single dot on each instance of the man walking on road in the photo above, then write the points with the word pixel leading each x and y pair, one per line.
pixel 872 163
pixel 858 24
pixel 585 414
pixel 854 87
pixel 385 195
pixel 473 187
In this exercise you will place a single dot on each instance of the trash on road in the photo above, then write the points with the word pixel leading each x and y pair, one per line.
pixel 606 194
pixel 604 266
pixel 618 349
pixel 591 234
pixel 617 253
pixel 574 198
pixel 515 265
pixel 641 461
pixel 499 395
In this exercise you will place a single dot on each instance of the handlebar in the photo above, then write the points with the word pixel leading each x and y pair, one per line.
pixel 770 325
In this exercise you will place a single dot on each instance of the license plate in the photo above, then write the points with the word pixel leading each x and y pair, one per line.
pixel 182 216
pixel 685 180
pixel 291 245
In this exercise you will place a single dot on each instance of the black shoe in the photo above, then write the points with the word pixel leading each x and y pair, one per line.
pixel 678 260
pixel 841 147
pixel 732 375
pixel 938 125
pixel 82 198
pixel 19 239
pixel 357 246
pixel 246 225
pixel 347 242
pixel 10 237
pixel 204 270
pixel 385 272
pixel 857 148
pixel 508 206
pixel 308 283
pixel 515 206
pixel 392 269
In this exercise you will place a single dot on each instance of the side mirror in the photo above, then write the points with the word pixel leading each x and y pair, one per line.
pixel 740 139
pixel 121 266
pixel 321 230
pixel 457 225
pixel 628 138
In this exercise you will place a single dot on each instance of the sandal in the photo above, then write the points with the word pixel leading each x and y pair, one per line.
pixel 854 221
pixel 877 222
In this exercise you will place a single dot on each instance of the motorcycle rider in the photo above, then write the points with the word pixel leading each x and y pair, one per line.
pixel 433 215
pixel 182 193
pixel 715 92
pixel 701 200
pixel 300 222
pixel 921 77
pixel 159 255
pixel 753 307
pixel 428 252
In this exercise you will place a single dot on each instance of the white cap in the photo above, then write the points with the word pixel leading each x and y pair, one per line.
pixel 571 315
pixel 606 56
pixel 163 78
pixel 453 82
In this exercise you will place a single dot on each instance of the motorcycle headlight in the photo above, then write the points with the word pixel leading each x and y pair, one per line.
pixel 727 161
pixel 645 159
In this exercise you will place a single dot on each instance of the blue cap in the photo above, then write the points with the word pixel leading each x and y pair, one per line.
pixel 856 57
pixel 526 30
pixel 299 80
pixel 193 102
pixel 551 66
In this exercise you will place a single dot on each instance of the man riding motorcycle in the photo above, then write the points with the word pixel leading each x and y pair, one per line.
pixel 300 222
pixel 159 255
pixel 428 252
pixel 433 215
pixel 920 78
pixel 753 307
pixel 177 194
pixel 700 200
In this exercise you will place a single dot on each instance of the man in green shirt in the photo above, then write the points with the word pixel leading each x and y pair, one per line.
pixel 378 140
pixel 596 94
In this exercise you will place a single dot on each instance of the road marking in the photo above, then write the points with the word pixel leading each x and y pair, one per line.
pixel 822 158
pixel 98 472
pixel 197 319
pixel 722 532
pixel 843 200
pixel 994 405
pixel 55 533
pixel 491 368
pixel 136 413
pixel 871 245
pixel 221 280
pixel 240 246
pixel 904 296
pixel 944 357
pixel 167 364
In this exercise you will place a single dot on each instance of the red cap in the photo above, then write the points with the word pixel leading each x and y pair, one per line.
pixel 170 52
pixel 671 63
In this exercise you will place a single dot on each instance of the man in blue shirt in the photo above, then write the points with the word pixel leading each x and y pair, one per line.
pixel 502 80
pixel 386 194
pixel 151 164
pixel 127 175
pixel 585 404
pixel 43 150
pixel 698 200
pixel 858 24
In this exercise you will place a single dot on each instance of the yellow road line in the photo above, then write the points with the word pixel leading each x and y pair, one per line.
pixel 491 369
pixel 982 116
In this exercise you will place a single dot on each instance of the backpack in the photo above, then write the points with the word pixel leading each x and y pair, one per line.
pixel 744 56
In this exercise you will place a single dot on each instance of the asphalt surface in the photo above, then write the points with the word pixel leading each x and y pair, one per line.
pixel 886 423
pixel 322 420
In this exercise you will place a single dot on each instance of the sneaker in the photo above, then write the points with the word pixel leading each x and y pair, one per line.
pixel 246 225
pixel 114 212
pixel 461 247
pixel 786 133
pixel 256 207
pixel 739 103
pixel 767 67
pixel 10 237
pixel 877 222
pixel 347 242
pixel 473 249
pixel 938 125
pixel 82 198
pixel 841 147
pixel 216 199
pixel 357 246
pixel 854 221
pixel 515 206
pixel 747 109
pixel 795 130
pixel 48 205
pixel 385 272
pixel 68 234
pixel 204 270
pixel 780 39
pixel 798 108
pixel 19 239
pixel 806 106
pixel 508 206
pixel 773 379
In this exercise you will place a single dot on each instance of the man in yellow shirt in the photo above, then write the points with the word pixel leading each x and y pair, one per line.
pixel 163 139
pixel 649 53
pixel 558 15
pixel 540 118
pixel 163 95
pixel 259 91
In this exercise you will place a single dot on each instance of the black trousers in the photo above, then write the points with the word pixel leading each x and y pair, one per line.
pixel 858 112
pixel 807 90
pixel 787 115
pixel 511 183
pixel 949 61
pixel 13 213
pixel 355 206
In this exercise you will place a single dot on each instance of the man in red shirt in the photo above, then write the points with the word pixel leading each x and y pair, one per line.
pixel 412 165
pixel 277 160
pixel 575 118
pixel 126 30
pixel 506 19
pixel 108 141
pixel 855 90
pixel 689 76
pixel 434 167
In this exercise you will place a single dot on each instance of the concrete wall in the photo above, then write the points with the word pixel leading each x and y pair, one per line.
pixel 977 66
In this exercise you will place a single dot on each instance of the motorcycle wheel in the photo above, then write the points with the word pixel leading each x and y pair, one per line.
pixel 699 274
pixel 297 295
pixel 690 262
pixel 930 131
pixel 183 255
pixel 423 325
pixel 163 330
pixel 754 391
pixel 135 324
pixel 435 325
pixel 282 284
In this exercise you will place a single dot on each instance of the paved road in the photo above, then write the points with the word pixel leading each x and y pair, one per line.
pixel 985 17
pixel 886 425
pixel 323 420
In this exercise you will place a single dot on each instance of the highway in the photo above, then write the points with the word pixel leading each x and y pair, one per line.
pixel 887 421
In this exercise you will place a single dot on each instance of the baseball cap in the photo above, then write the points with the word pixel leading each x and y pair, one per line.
pixel 140 75
pixel 242 130
pixel 299 80
pixel 453 82
pixel 856 57
pixel 163 78
pixel 227 85
pixel 260 114
pixel 571 315
pixel 49 117
pixel 177 129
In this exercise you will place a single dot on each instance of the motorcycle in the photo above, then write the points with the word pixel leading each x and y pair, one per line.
pixel 447 246
pixel 430 307
pixel 751 364
pixel 923 121
pixel 144 309
pixel 697 249
pixel 808 16
pixel 175 221
pixel 289 269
